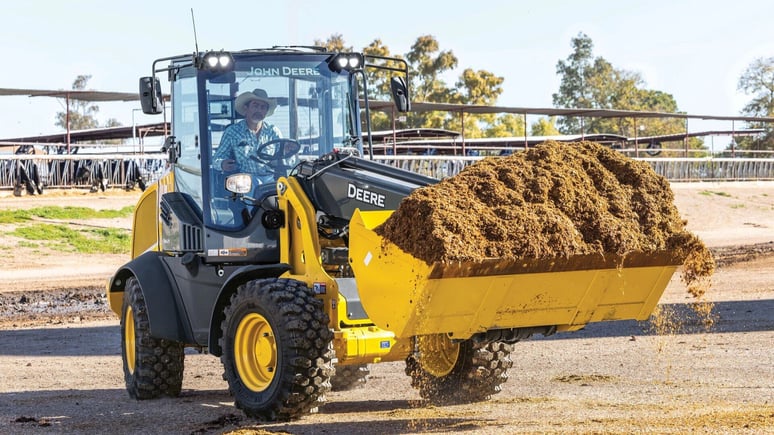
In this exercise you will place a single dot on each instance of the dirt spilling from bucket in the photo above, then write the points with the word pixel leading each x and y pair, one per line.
pixel 553 200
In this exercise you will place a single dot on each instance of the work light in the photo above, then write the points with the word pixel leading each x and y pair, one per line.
pixel 220 61
pixel 345 61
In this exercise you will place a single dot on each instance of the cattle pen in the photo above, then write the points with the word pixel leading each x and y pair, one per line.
pixel 36 172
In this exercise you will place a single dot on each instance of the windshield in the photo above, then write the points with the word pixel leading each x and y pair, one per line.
pixel 306 102
pixel 261 120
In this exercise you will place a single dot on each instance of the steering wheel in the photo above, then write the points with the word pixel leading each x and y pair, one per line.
pixel 278 149
pixel 274 152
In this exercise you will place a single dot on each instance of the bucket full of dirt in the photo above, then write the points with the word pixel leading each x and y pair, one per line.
pixel 559 235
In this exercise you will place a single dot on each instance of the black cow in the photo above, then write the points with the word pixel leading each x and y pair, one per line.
pixel 27 173
pixel 133 175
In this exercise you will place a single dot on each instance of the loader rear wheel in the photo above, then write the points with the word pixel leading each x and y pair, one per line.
pixel 152 367
pixel 350 377
pixel 475 375
pixel 277 351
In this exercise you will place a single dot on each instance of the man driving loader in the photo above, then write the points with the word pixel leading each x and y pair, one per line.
pixel 238 150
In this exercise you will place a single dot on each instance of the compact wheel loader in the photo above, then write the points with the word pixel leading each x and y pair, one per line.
pixel 275 267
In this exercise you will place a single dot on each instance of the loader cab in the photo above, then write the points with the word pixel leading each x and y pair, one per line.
pixel 314 110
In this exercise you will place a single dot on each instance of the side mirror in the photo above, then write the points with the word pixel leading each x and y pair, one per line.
pixel 150 96
pixel 400 95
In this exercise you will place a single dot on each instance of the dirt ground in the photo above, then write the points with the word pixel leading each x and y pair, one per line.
pixel 60 363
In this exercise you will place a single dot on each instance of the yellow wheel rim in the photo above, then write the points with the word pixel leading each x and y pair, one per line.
pixel 129 345
pixel 255 352
pixel 437 354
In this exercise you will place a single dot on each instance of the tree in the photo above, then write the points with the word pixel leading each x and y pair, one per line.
pixel 758 80
pixel 428 64
pixel 506 125
pixel 482 88
pixel 334 42
pixel 82 114
pixel 594 83
pixel 573 88
pixel 379 82
pixel 544 127
pixel 378 79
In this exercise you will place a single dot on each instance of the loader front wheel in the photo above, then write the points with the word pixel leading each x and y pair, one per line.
pixel 475 373
pixel 350 377
pixel 152 367
pixel 277 351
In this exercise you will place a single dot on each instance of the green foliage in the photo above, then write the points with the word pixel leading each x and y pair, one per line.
pixel 506 125
pixel 586 82
pixel 88 241
pixel 428 64
pixel 13 216
pixel 594 83
pixel 62 237
pixel 62 213
pixel 334 42
pixel 379 82
pixel 83 114
pixel 758 80
pixel 544 127
pixel 573 90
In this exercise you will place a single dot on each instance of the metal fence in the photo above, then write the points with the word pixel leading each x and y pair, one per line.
pixel 35 172
pixel 713 169
pixel 127 170
pixel 673 169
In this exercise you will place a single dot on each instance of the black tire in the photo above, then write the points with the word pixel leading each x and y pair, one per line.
pixel 350 377
pixel 153 367
pixel 277 351
pixel 477 374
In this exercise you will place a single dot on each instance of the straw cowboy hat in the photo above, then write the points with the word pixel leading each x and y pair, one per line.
pixel 258 94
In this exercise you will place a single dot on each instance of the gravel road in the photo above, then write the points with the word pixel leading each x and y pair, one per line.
pixel 690 369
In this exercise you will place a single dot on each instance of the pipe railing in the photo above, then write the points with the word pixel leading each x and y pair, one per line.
pixel 124 170
pixel 95 171
pixel 673 169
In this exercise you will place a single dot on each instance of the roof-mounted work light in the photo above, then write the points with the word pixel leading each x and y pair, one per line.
pixel 216 61
pixel 345 61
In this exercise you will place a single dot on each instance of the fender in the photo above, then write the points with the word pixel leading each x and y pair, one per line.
pixel 239 277
pixel 166 315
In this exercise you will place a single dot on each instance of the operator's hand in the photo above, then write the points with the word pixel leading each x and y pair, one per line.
pixel 228 165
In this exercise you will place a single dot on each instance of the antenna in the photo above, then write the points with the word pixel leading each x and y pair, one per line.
pixel 196 42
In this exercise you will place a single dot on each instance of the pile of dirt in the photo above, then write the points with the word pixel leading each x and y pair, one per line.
pixel 553 200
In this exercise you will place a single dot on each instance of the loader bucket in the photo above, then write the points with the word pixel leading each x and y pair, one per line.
pixel 409 297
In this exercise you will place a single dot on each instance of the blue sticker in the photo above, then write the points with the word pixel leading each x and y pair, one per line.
pixel 384 344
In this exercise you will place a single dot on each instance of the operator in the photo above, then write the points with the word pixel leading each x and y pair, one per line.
pixel 238 150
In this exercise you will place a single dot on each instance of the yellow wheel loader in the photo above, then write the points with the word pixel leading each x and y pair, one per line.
pixel 260 248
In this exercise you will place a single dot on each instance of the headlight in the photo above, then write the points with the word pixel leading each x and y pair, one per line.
pixel 216 61
pixel 239 183
pixel 345 61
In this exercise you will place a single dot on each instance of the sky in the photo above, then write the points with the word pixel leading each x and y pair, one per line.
pixel 694 50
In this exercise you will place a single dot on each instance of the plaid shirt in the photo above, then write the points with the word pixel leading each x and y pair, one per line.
pixel 239 143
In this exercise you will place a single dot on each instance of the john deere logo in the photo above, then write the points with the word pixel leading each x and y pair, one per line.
pixel 364 195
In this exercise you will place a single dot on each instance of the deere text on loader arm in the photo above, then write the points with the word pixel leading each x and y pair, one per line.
pixel 275 267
